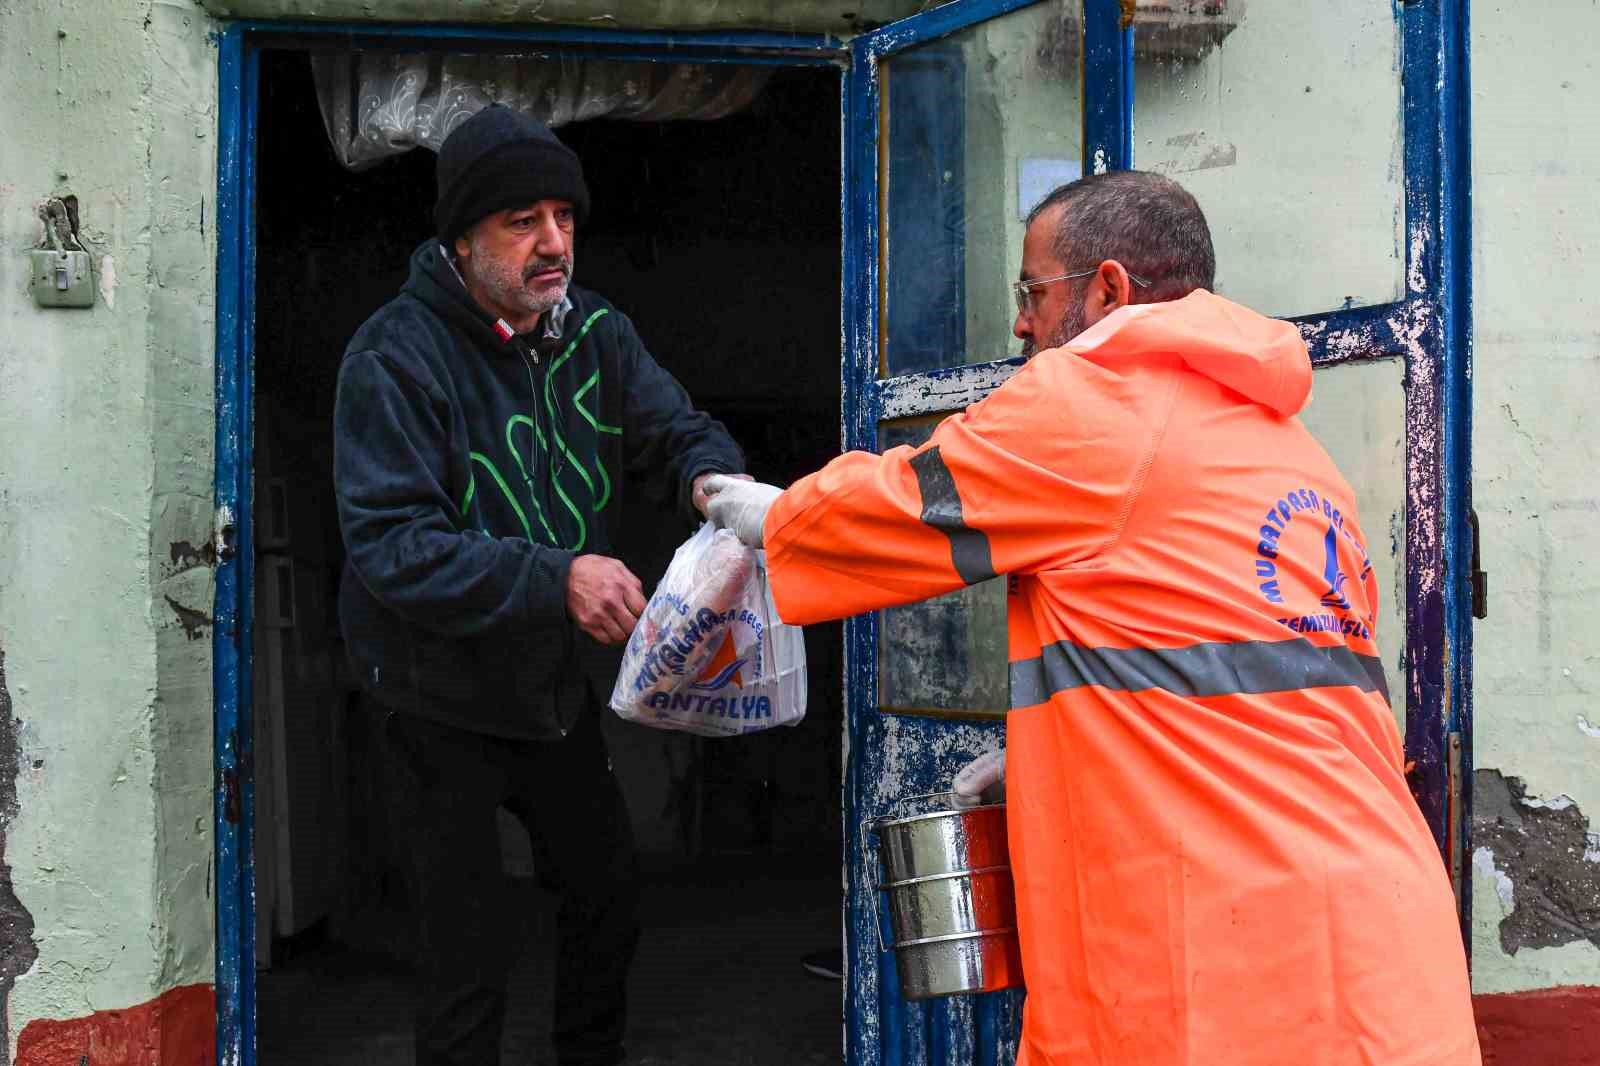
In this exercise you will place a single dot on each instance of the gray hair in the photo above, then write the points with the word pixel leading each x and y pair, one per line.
pixel 1148 223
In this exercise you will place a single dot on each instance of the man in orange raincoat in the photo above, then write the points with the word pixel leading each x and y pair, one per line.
pixel 1216 857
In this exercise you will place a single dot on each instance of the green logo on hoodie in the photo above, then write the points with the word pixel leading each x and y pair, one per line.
pixel 556 449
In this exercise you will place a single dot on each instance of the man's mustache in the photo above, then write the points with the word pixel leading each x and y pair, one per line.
pixel 564 262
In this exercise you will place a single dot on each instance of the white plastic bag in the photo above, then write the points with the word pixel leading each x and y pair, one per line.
pixel 709 655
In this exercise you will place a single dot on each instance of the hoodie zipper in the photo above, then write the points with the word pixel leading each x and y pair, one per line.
pixel 528 360
pixel 552 464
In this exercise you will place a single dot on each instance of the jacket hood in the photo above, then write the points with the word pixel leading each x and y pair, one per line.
pixel 1263 359
pixel 435 282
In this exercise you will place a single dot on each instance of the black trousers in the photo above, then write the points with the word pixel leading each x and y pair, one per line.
pixel 444 785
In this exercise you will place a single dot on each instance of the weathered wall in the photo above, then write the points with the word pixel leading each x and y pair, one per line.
pixel 1536 447
pixel 836 16
pixel 105 466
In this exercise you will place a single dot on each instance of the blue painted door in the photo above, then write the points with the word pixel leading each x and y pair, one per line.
pixel 959 119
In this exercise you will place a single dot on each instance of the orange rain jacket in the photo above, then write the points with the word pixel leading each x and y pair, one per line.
pixel 1216 857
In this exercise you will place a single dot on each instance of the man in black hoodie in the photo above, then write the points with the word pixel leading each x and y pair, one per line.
pixel 485 421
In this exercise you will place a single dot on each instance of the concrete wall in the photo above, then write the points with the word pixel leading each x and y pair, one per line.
pixel 105 489
pixel 1536 450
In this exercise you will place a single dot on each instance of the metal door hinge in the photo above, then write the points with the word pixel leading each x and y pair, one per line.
pixel 1454 829
pixel 1480 580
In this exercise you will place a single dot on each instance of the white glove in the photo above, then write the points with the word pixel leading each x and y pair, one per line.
pixel 739 505
pixel 981 780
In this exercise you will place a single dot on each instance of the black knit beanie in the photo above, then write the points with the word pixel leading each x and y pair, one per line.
pixel 499 159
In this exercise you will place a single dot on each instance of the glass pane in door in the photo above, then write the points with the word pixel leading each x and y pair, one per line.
pixel 1284 119
pixel 975 129
pixel 1358 413
pixel 947 655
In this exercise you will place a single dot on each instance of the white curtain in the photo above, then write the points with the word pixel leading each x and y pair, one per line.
pixel 378 104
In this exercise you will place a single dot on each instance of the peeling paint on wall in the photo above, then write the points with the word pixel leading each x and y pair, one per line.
pixel 1504 890
pixel 196 624
pixel 1545 861
pixel 190 586
pixel 17 949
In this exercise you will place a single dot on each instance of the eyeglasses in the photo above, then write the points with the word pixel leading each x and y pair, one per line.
pixel 1024 289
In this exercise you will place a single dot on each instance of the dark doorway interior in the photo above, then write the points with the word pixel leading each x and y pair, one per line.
pixel 721 240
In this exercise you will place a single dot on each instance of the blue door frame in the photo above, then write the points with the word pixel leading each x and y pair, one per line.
pixel 1429 326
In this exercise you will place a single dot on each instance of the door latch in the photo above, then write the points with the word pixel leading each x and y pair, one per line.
pixel 225 535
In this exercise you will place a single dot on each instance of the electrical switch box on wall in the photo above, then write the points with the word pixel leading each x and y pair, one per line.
pixel 61 279
pixel 62 274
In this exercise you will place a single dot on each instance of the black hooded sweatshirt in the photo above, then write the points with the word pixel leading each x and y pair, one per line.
pixel 470 471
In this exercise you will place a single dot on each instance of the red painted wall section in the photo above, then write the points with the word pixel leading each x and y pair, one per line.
pixel 178 1028
pixel 1550 1027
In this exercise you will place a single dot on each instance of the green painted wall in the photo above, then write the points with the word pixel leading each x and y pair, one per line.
pixel 105 462
pixel 1536 448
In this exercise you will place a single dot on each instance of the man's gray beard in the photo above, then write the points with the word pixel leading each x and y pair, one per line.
pixel 535 304
pixel 540 304
pixel 507 283
pixel 1070 326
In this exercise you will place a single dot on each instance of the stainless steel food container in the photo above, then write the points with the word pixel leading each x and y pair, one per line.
pixel 959 965
pixel 944 904
pixel 943 842
pixel 951 903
